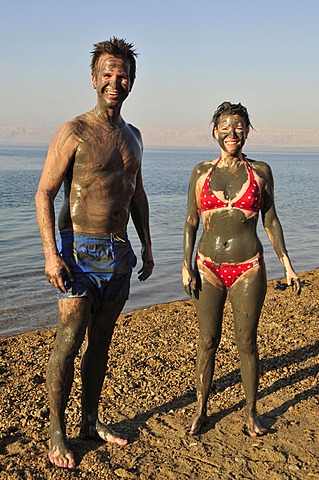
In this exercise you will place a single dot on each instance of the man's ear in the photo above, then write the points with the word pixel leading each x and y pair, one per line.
pixel 93 80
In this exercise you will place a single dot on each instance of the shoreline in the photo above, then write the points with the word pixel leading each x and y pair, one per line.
pixel 144 307
pixel 149 394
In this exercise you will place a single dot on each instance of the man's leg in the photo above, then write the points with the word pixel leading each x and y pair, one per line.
pixel 72 321
pixel 93 367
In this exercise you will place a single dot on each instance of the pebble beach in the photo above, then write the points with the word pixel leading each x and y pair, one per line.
pixel 149 394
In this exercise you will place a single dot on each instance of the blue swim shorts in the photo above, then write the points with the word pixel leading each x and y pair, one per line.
pixel 101 266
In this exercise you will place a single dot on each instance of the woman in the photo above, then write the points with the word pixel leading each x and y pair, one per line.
pixel 229 192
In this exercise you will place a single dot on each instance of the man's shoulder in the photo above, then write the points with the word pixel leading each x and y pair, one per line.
pixel 134 130
pixel 78 126
pixel 69 125
pixel 65 134
pixel 133 136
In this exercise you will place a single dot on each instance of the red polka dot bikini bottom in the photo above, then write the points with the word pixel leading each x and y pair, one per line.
pixel 228 273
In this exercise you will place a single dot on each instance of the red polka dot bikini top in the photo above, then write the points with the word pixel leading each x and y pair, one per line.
pixel 250 200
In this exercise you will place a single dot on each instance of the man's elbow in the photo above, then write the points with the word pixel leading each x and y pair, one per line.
pixel 42 197
pixel 37 198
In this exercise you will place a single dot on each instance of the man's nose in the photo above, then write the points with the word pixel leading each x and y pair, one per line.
pixel 113 81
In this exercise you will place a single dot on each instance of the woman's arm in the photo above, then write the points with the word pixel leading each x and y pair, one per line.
pixel 274 230
pixel 190 231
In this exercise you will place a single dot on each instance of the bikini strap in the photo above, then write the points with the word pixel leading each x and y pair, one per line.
pixel 215 165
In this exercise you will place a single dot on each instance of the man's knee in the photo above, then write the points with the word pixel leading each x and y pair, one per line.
pixel 69 339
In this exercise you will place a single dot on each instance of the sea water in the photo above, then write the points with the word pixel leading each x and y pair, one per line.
pixel 28 302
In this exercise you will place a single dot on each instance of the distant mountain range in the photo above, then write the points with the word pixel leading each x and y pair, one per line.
pixel 265 137
pixel 13 135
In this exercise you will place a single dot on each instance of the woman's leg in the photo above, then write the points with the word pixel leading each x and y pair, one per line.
pixel 247 297
pixel 209 310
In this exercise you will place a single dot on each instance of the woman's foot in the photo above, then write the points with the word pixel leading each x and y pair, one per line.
pixel 254 427
pixel 195 425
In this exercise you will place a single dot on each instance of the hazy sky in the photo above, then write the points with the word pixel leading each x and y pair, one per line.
pixel 192 56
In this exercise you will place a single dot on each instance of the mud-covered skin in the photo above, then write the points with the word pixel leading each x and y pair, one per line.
pixel 98 158
pixel 230 236
pixel 106 169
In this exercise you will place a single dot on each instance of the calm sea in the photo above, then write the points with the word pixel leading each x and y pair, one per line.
pixel 28 303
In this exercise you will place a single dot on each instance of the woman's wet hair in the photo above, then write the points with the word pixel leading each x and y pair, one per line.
pixel 227 108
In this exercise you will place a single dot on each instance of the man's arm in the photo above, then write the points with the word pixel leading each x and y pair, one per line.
pixel 60 153
pixel 140 218
pixel 274 231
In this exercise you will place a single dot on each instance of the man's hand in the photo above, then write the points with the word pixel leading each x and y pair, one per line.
pixel 55 270
pixel 148 264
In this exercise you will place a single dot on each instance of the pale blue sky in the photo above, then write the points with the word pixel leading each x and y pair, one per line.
pixel 192 56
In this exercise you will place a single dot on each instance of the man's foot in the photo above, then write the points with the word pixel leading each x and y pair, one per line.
pixel 254 427
pixel 102 431
pixel 195 425
pixel 60 455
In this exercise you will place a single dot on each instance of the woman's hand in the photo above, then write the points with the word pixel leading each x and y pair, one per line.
pixel 294 281
pixel 189 281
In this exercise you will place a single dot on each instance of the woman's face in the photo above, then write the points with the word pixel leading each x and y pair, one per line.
pixel 231 133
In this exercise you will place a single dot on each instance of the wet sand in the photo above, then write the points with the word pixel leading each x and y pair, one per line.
pixel 149 394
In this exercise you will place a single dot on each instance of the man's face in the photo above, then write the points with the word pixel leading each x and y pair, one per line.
pixel 111 80
pixel 231 133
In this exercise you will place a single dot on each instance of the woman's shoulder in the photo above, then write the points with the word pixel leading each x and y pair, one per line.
pixel 260 167
pixel 203 167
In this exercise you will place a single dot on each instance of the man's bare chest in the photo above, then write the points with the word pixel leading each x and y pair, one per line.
pixel 106 156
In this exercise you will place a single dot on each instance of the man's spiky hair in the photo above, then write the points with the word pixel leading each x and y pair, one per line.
pixel 118 47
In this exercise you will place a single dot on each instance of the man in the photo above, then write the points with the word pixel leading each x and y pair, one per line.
pixel 98 157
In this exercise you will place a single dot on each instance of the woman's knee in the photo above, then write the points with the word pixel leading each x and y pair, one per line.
pixel 209 342
pixel 246 345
